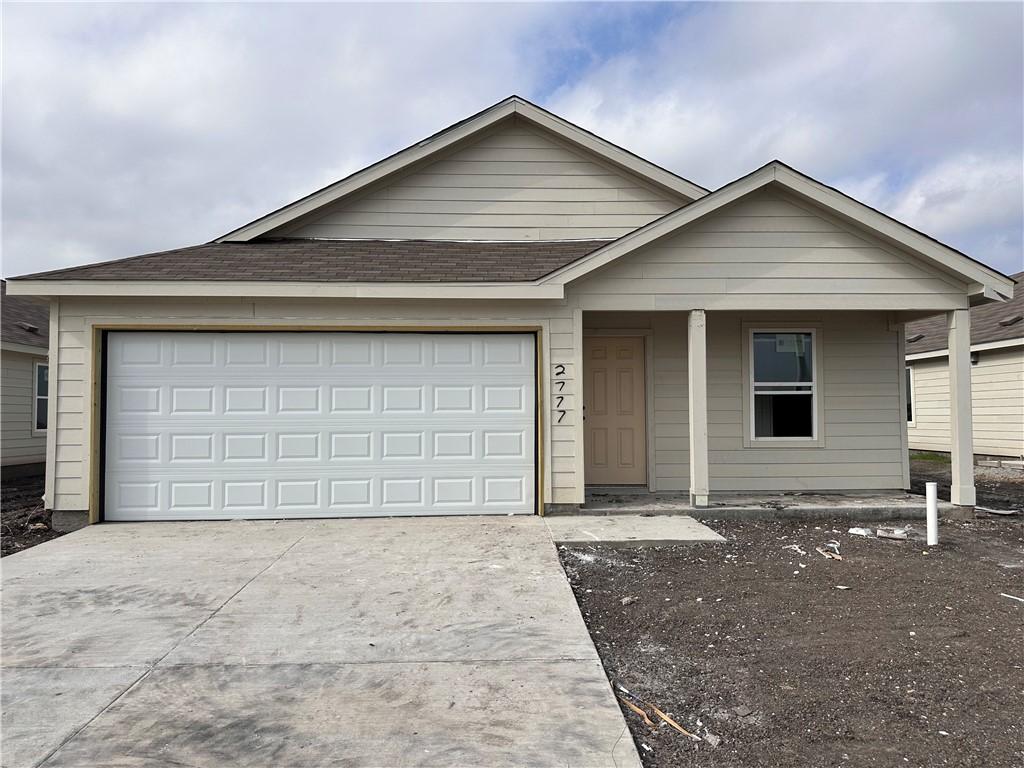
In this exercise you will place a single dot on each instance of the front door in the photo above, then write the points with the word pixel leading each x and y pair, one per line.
pixel 614 426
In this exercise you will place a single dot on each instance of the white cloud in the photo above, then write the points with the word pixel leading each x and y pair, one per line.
pixel 130 128
pixel 914 108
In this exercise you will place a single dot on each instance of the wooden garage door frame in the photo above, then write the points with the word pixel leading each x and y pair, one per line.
pixel 98 384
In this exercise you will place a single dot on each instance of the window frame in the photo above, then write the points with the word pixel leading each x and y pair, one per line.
pixel 817 438
pixel 36 365
pixel 911 399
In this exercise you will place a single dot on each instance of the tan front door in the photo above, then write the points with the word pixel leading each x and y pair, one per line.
pixel 614 426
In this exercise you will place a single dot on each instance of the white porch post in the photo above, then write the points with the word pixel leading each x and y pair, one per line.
pixel 697 372
pixel 960 422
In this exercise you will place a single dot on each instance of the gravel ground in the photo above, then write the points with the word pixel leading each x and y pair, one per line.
pixel 23 521
pixel 751 646
pixel 996 487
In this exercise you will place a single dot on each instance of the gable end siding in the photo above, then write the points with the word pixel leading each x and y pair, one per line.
pixel 515 183
pixel 770 252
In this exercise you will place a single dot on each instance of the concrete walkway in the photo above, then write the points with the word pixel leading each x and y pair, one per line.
pixel 629 530
pixel 413 642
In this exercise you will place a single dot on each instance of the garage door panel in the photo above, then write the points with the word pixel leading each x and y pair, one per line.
pixel 309 444
pixel 281 425
pixel 341 494
pixel 179 402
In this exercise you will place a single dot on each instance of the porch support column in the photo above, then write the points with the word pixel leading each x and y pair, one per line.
pixel 697 372
pixel 960 421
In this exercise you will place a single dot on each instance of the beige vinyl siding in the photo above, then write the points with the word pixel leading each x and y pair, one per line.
pixel 19 444
pixel 859 379
pixel 78 317
pixel 515 183
pixel 860 373
pixel 997 395
pixel 770 252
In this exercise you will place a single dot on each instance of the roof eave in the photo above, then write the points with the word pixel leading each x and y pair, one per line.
pixel 26 349
pixel 285 289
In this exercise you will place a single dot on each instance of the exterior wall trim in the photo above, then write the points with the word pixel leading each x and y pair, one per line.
pixel 24 349
pixel 263 289
pixel 96 332
pixel 1005 344
pixel 49 482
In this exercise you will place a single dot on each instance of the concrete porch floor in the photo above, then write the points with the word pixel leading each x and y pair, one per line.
pixel 855 505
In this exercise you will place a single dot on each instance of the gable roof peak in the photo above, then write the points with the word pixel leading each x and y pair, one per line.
pixel 460 133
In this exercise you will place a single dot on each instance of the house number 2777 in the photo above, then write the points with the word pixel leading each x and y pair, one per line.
pixel 559 385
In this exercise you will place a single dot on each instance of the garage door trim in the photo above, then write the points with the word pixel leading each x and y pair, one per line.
pixel 99 333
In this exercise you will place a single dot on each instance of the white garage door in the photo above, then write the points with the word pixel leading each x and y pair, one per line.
pixel 223 425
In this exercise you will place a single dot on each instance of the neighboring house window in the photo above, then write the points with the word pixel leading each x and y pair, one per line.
pixel 42 397
pixel 908 384
pixel 783 385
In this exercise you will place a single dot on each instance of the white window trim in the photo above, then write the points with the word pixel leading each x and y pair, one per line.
pixel 35 396
pixel 911 396
pixel 817 439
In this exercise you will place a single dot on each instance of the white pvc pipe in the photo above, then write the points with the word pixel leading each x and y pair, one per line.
pixel 931 491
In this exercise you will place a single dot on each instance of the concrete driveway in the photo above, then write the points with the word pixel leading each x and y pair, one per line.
pixel 404 642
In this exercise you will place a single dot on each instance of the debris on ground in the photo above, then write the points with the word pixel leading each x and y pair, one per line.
pixel 712 739
pixel 861 532
pixel 638 710
pixel 674 724
pixel 640 707
pixel 24 522
pixel 796 548
pixel 629 599
pixel 828 554
pixel 891 533
pixel 788 671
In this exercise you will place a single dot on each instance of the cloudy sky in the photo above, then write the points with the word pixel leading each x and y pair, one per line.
pixel 130 128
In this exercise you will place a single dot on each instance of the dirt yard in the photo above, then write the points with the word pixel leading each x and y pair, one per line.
pixel 755 649
pixel 23 521
pixel 996 487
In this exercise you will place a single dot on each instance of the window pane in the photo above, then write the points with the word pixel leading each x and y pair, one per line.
pixel 783 416
pixel 42 379
pixel 783 357
pixel 41 404
pixel 910 394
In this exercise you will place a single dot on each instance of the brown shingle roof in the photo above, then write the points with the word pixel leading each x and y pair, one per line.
pixel 347 261
pixel 989 322
pixel 19 315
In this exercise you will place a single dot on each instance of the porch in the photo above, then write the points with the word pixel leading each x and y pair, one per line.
pixel 731 412
pixel 855 505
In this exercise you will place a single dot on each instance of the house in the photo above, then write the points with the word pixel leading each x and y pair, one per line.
pixel 491 321
pixel 997 380
pixel 24 389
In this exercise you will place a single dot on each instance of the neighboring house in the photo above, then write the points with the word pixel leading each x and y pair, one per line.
pixel 489 322
pixel 24 410
pixel 997 379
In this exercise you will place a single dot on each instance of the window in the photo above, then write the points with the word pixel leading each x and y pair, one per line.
pixel 908 385
pixel 41 398
pixel 784 389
